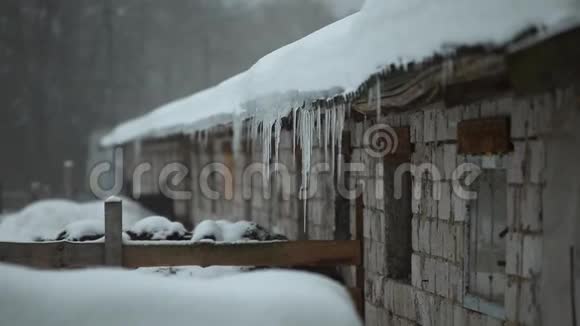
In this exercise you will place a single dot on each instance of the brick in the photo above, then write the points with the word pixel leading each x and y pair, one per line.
pixel 441 278
pixel 459 208
pixel 514 254
pixel 449 160
pixel 448 241
pixel 532 256
pixel 445 313
pixel 404 300
pixel 436 239
pixel 520 114
pixel 528 305
pixel 460 248
pixel 425 308
pixel 374 289
pixel 512 294
pixel 428 273
pixel 416 270
pixel 415 233
pixel 453 118
pixel 416 126
pixel 442 129
pixel 514 202
pixel 516 167
pixel 424 236
pixel 430 125
pixel 537 162
pixel 444 203
pixel 455 283
pixel 531 209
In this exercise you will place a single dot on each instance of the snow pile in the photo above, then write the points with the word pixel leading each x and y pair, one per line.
pixel 157 228
pixel 226 231
pixel 340 57
pixel 83 230
pixel 121 298
pixel 207 230
pixel 45 220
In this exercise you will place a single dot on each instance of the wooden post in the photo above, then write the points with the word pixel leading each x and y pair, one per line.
pixel 114 232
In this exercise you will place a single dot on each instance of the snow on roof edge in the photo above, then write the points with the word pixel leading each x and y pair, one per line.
pixel 305 62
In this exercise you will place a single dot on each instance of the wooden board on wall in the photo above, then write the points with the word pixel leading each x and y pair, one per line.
pixel 484 136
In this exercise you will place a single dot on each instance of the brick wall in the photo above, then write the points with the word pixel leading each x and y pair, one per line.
pixel 436 292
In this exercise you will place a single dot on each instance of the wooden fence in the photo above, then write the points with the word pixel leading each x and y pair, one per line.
pixel 113 252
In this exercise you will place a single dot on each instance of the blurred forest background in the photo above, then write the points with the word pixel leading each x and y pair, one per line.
pixel 73 68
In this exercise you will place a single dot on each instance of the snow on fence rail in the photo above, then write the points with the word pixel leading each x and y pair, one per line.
pixel 113 252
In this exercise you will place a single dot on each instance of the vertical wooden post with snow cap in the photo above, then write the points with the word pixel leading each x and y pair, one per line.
pixel 113 232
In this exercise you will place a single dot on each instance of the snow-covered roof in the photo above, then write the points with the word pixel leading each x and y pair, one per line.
pixel 340 57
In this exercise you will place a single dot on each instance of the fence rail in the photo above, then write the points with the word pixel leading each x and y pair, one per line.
pixel 113 252
pixel 61 255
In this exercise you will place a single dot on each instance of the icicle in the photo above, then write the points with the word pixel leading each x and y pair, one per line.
pixel 277 132
pixel 294 123
pixel 266 147
pixel 326 131
pixel 339 130
pixel 378 94
pixel 237 138
pixel 333 138
pixel 319 124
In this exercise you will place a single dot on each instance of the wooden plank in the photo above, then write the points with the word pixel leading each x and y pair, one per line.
pixel 484 136
pixel 292 253
pixel 52 255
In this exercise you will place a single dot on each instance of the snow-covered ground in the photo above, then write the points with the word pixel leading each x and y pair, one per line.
pixel 46 220
pixel 122 298
pixel 193 272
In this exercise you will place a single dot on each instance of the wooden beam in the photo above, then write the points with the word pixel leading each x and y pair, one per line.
pixel 281 254
pixel 52 255
pixel 547 64
pixel 484 136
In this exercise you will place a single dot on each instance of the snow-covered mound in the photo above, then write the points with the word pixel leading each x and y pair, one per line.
pixel 122 298
pixel 83 230
pixel 46 220
pixel 157 228
pixel 226 231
